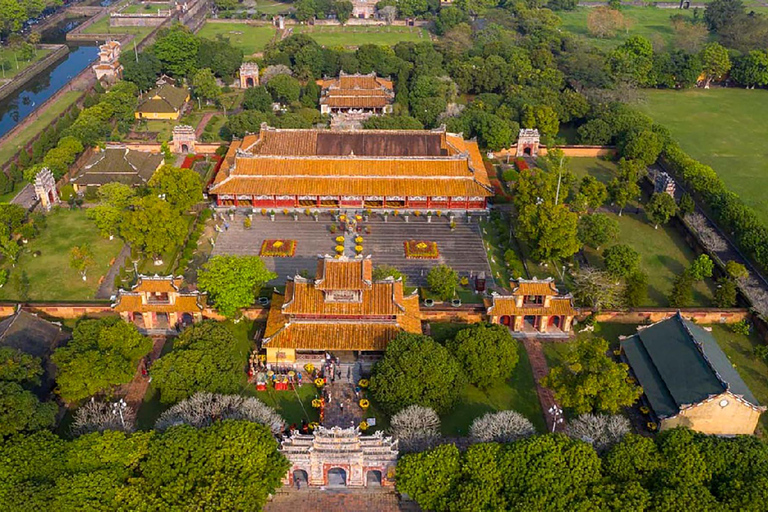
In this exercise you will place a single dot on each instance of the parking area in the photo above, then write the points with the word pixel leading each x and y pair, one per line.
pixel 461 248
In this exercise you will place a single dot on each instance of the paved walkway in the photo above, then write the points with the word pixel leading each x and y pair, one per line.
pixel 346 500
pixel 107 288
pixel 462 249
pixel 204 121
pixel 540 369
pixel 133 392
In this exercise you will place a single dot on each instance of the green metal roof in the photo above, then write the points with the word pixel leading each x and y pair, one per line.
pixel 678 363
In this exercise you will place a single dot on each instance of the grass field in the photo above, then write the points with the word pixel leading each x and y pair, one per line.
pixel 10 66
pixel 740 350
pixel 8 149
pixel 356 36
pixel 102 27
pixel 724 128
pixel 649 22
pixel 50 276
pixel 145 8
pixel 664 253
pixel 241 35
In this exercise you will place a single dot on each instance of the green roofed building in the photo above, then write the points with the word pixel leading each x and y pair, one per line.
pixel 118 164
pixel 163 102
pixel 688 380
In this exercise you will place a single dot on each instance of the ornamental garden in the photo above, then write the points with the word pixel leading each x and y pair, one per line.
pixel 489 238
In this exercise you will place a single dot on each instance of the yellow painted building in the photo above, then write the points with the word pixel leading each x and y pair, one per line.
pixel 165 102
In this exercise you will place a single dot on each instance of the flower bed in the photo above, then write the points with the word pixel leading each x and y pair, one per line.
pixel 421 249
pixel 190 160
pixel 278 248
pixel 521 164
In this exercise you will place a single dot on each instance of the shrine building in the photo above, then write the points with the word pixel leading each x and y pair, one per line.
pixel 364 169
pixel 158 303
pixel 363 95
pixel 341 311
pixel 535 308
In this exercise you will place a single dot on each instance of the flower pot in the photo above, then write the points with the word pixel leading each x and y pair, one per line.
pixel 272 217
pixel 456 303
pixel 405 217
pixel 429 303
pixel 429 219
pixel 263 301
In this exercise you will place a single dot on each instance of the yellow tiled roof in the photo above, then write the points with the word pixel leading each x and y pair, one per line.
pixel 344 274
pixel 525 287
pixel 506 306
pixel 356 101
pixel 130 302
pixel 157 285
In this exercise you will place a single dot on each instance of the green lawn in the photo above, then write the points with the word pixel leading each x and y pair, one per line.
pixel 40 123
pixel 664 253
pixel 518 394
pixel 740 350
pixel 102 27
pixel 724 128
pixel 250 38
pixel 269 7
pixel 356 36
pixel 649 22
pixel 50 276
pixel 10 65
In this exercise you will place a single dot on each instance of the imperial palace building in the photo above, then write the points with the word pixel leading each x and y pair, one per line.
pixel 365 169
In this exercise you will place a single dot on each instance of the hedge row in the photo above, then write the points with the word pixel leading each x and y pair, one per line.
pixel 727 208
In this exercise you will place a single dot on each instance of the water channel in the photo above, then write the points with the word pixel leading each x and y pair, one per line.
pixel 48 82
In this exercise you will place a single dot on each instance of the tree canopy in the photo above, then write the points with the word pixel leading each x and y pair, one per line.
pixel 487 353
pixel 233 282
pixel 182 188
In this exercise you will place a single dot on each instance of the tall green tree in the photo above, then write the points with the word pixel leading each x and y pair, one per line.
pixel 487 353
pixel 597 229
pixel 176 48
pixel 102 353
pixel 181 188
pixel 152 226
pixel 233 282
pixel 550 230
pixel 589 381
pixel 205 86
pixel 621 260
pixel 715 61
pixel 21 410
pixel 18 366
pixel 442 281
pixel 416 370
pixel 660 208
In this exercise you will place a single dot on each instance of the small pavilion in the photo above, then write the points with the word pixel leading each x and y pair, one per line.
pixel 158 303
pixel 535 308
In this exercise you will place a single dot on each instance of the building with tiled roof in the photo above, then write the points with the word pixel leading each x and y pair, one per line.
pixel 341 310
pixel 118 164
pixel 535 308
pixel 159 303
pixel 109 68
pixel 356 97
pixel 164 102
pixel 688 381
pixel 368 169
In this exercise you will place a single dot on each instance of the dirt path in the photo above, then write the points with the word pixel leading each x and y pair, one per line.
pixel 540 369
pixel 107 287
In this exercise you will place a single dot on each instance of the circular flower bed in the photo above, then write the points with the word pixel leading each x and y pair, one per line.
pixel 319 382
pixel 363 425
pixel 339 249
pixel 358 240
pixel 317 403
pixel 652 425
pixel 364 403
pixel 363 383
pixel 358 249
pixel 340 239
pixel 309 368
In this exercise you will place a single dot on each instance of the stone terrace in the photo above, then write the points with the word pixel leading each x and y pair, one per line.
pixel 462 249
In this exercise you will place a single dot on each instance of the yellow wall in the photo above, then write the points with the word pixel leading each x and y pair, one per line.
pixel 172 116
pixel 281 355
pixel 711 418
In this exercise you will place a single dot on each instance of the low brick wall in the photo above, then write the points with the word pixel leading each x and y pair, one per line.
pixel 59 309
pixel 653 315
pixel 572 151
pixel 462 314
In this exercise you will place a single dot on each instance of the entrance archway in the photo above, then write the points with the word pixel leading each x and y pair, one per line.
pixel 249 82
pixel 184 148
pixel 187 319
pixel 373 478
pixel 554 321
pixel 504 320
pixel 300 478
pixel 527 151
pixel 138 320
pixel 337 477
pixel 529 322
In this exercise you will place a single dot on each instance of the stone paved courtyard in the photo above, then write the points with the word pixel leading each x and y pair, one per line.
pixel 462 249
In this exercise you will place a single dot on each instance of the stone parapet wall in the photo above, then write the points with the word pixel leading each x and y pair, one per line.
pixel 653 315
pixel 136 20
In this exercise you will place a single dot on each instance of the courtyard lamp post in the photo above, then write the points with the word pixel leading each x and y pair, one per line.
pixel 117 410
pixel 557 414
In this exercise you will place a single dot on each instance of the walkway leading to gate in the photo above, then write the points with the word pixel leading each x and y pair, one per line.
pixel 540 369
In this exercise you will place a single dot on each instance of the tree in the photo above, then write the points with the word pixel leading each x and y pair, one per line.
pixel 416 370
pixel 605 22
pixel 550 230
pixel 597 289
pixel 602 431
pixel 736 270
pixel 597 229
pixel 310 95
pixel 416 428
pixel 205 86
pixel 181 188
pixel 442 281
pixel 284 89
pixel 721 13
pixel 621 260
pixel 593 191
pixel 220 57
pixel 660 208
pixel 257 98
pixel 205 358
pixel 382 272
pixel 542 117
pixel 390 122
pixel 500 427
pixel 632 61
pixel 20 410
pixel 636 289
pixel 429 478
pixel 588 380
pixel 622 192
pixel 343 10
pixel 716 62
pixel 686 205
pixel 726 293
pixel 113 199
pixel 231 465
pixel 96 416
pixel 752 69
pixel 701 268
pixel 143 72
pixel 20 367
pixel 204 409
pixel 102 353
pixel 487 353
pixel 233 282
pixel 176 49
pixel 81 259
pixel 152 226
pixel 389 13
pixel 643 146
pixel 682 291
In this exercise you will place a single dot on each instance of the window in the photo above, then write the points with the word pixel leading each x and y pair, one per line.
pixel 533 300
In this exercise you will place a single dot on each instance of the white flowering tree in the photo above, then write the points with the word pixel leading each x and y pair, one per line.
pixel 416 427
pixel 96 416
pixel 600 430
pixel 500 427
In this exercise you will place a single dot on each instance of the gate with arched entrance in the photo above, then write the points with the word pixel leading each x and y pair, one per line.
pixel 337 477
